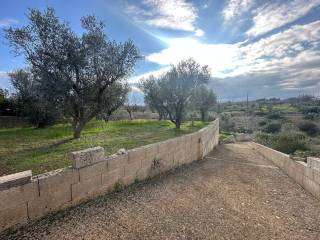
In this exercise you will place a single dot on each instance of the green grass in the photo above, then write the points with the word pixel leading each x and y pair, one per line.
pixel 224 135
pixel 283 107
pixel 42 150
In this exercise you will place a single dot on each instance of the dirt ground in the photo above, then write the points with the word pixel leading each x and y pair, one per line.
pixel 233 194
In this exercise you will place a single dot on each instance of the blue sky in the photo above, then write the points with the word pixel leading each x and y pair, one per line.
pixel 267 48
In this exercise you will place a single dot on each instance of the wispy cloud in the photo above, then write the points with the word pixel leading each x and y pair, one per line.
pixel 6 22
pixel 274 15
pixel 286 61
pixel 156 73
pixel 234 8
pixel 167 14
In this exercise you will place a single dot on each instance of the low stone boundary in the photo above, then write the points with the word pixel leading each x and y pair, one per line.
pixel 305 174
pixel 92 174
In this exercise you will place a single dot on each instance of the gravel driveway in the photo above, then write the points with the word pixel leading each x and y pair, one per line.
pixel 233 194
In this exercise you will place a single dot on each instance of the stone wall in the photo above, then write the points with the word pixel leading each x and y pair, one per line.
pixel 305 174
pixel 24 198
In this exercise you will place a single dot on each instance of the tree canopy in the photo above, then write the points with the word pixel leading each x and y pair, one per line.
pixel 172 91
pixel 73 71
pixel 202 100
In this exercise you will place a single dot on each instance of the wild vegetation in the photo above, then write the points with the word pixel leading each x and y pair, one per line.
pixel 289 125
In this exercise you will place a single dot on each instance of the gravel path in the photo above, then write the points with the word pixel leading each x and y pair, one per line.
pixel 233 194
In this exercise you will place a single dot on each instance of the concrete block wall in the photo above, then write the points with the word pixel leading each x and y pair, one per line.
pixel 23 199
pixel 305 174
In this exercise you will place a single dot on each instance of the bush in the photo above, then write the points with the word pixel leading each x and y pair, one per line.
pixel 262 123
pixel 274 116
pixel 287 142
pixel 309 127
pixel 226 123
pixel 272 128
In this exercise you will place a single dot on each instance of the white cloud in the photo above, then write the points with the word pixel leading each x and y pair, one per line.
pixel 156 73
pixel 6 22
pixel 218 56
pixel 199 33
pixel 168 14
pixel 286 60
pixel 235 8
pixel 274 15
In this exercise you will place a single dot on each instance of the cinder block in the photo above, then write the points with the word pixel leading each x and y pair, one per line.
pixel 49 201
pixel 189 149
pixel 14 180
pixel 151 153
pixel 166 154
pixel 308 172
pixel 146 172
pixel 93 170
pixel 316 176
pixel 14 215
pixel 111 177
pixel 179 153
pixel 86 189
pixel 298 177
pixel 167 146
pixel 313 163
pixel 55 180
pixel 300 167
pixel 18 195
pixel 116 161
pixel 132 169
pixel 311 186
pixel 87 157
pixel 289 168
pixel 136 155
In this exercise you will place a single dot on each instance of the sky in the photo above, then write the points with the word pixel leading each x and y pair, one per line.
pixel 263 48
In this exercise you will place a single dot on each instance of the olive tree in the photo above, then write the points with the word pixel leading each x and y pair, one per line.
pixel 74 70
pixel 31 101
pixel 175 87
pixel 113 99
pixel 203 100
pixel 151 90
pixel 131 104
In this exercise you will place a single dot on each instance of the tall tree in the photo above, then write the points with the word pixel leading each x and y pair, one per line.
pixel 202 100
pixel 74 70
pixel 176 86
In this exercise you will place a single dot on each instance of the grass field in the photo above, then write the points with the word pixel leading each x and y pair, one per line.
pixel 42 150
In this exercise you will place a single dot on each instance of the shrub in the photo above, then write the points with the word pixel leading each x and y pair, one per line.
pixel 287 142
pixel 274 115
pixel 262 123
pixel 272 128
pixel 226 122
pixel 309 127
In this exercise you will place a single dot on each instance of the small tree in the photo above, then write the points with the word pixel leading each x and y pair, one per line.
pixel 7 103
pixel 177 85
pixel 131 104
pixel 113 99
pixel 151 90
pixel 203 100
pixel 74 70
pixel 30 100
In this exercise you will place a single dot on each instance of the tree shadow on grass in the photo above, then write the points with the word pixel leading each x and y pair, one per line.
pixel 46 147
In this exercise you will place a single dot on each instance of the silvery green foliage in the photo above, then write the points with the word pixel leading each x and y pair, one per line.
pixel 172 91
